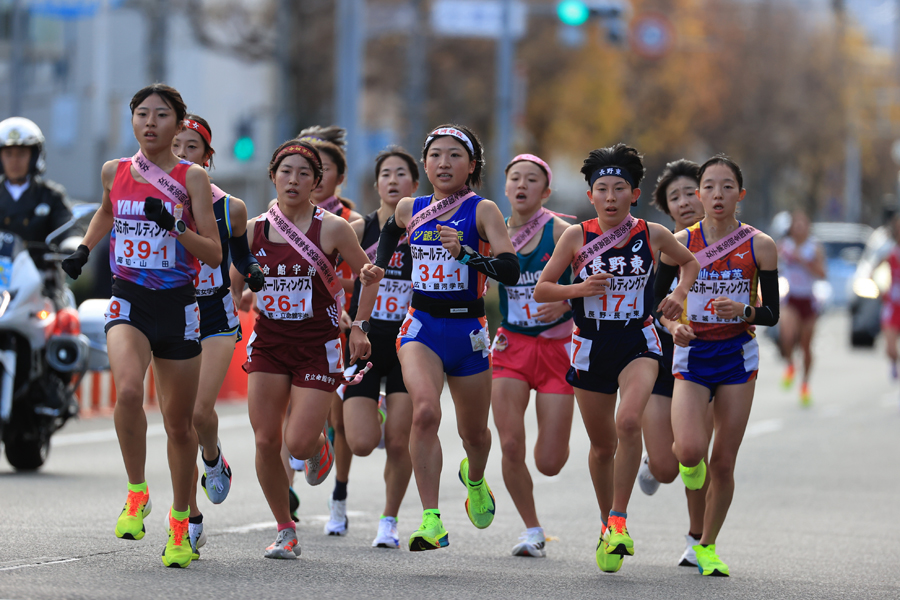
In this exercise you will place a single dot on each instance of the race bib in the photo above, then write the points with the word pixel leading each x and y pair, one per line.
pixel 143 245
pixel 208 281
pixel 700 299
pixel 286 298
pixel 522 307
pixel 436 270
pixel 393 298
pixel 623 300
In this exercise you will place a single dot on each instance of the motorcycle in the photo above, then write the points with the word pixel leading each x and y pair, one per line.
pixel 43 353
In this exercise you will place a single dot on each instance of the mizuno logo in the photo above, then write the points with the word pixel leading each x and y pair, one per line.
pixel 261 252
pixel 741 255
pixel 456 223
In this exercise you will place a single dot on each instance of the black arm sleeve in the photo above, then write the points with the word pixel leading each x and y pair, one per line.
pixel 387 242
pixel 665 275
pixel 503 267
pixel 767 314
pixel 240 253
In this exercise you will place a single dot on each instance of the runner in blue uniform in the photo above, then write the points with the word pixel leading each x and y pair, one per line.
pixel 451 233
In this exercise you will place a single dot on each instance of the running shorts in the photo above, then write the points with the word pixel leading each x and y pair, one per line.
pixel 538 361
pixel 169 318
pixel 385 365
pixel 890 315
pixel 218 316
pixel 463 345
pixel 317 364
pixel 720 362
pixel 665 381
pixel 805 307
pixel 596 360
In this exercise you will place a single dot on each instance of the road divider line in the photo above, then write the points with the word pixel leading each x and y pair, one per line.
pixel 762 427
pixel 156 430
pixel 40 564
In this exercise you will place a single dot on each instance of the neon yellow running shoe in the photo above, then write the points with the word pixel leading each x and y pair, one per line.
pixel 480 501
pixel 805 396
pixel 693 477
pixel 130 525
pixel 430 535
pixel 608 563
pixel 618 540
pixel 708 562
pixel 178 552
pixel 787 380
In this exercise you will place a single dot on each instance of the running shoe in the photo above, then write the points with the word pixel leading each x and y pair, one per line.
pixel 430 535
pixel 531 543
pixel 295 504
pixel 216 481
pixel 689 557
pixel 648 482
pixel 893 371
pixel 480 504
pixel 319 466
pixel 693 477
pixel 197 537
pixel 708 562
pixel 285 545
pixel 338 523
pixel 178 551
pixel 787 380
pixel 388 536
pixel 619 542
pixel 130 525
pixel 805 397
pixel 608 563
pixel 382 410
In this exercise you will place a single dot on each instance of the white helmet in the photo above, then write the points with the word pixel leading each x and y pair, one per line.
pixel 19 131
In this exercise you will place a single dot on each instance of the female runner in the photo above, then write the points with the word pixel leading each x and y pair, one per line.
pixel 153 312
pixel 802 262
pixel 716 351
pixel 295 355
pixel 220 327
pixel 890 311
pixel 615 343
pixel 396 177
pixel 676 196
pixel 445 330
pixel 529 351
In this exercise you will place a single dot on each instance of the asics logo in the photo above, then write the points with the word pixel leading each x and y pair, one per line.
pixel 637 245
pixel 741 255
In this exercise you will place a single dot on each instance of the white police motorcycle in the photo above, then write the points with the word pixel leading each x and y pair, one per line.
pixel 43 354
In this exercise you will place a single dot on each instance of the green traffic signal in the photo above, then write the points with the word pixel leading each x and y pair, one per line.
pixel 244 148
pixel 572 12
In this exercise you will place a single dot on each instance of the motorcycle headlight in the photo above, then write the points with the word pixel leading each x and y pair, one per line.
pixel 865 288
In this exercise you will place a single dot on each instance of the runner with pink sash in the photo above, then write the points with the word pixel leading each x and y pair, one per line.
pixel 710 254
pixel 332 205
pixel 160 180
pixel 603 243
pixel 436 209
pixel 535 224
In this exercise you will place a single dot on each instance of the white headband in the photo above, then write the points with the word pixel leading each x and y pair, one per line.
pixel 453 132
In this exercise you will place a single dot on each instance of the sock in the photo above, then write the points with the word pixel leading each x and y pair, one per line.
pixel 195 520
pixel 288 525
pixel 436 512
pixel 474 483
pixel 340 490
pixel 211 463
pixel 137 487
pixel 394 519
pixel 622 515
pixel 696 536
pixel 180 515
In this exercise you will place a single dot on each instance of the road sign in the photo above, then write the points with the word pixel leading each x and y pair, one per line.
pixel 652 35
pixel 68 9
pixel 476 18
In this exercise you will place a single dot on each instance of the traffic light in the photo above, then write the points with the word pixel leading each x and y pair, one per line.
pixel 244 148
pixel 572 12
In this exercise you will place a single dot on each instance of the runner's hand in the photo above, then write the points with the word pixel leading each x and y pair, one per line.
pixel 346 321
pixel 726 308
pixel 72 265
pixel 670 307
pixel 450 240
pixel 255 278
pixel 155 211
pixel 683 335
pixel 552 311
pixel 360 347
pixel 370 274
pixel 595 285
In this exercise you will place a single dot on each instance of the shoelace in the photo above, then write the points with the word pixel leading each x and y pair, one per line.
pixel 178 528
pixel 214 475
pixel 385 528
pixel 135 501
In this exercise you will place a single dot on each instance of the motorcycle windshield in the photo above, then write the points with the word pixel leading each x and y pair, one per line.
pixel 10 246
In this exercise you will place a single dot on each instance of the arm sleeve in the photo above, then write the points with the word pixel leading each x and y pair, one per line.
pixel 503 267
pixel 665 275
pixel 240 253
pixel 767 314
pixel 387 242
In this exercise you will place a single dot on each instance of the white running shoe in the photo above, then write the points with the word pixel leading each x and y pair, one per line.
pixel 197 537
pixel 689 558
pixel 531 543
pixel 648 482
pixel 387 537
pixel 338 523
pixel 286 545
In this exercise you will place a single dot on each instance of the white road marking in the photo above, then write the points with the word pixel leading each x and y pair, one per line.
pixel 762 427
pixel 157 430
pixel 40 564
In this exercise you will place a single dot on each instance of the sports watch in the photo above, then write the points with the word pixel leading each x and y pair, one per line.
pixel 180 227
pixel 748 312
pixel 465 253
pixel 363 325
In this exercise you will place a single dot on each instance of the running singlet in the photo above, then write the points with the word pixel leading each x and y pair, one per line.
pixel 629 298
pixel 295 303
pixel 893 261
pixel 436 273
pixel 733 276
pixel 343 269
pixel 211 281
pixel 394 290
pixel 140 251
pixel 800 280
pixel 517 303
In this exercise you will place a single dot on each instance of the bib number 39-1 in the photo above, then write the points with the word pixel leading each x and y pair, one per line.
pixel 138 248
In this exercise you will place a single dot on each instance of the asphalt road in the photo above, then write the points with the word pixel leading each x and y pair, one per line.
pixel 814 515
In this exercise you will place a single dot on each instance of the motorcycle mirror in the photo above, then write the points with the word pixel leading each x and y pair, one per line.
pixel 79 211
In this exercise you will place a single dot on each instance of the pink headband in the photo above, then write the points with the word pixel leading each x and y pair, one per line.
pixel 536 160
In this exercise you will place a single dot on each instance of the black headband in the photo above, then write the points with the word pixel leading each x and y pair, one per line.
pixel 614 172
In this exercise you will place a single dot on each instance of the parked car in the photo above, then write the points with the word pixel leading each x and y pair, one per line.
pixel 871 280
pixel 843 245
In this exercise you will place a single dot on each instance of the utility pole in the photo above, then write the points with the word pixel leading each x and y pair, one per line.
pixel 157 39
pixel 417 79
pixel 350 44
pixel 284 46
pixel 17 55
pixel 503 107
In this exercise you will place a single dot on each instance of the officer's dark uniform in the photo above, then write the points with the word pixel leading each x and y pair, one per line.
pixel 42 209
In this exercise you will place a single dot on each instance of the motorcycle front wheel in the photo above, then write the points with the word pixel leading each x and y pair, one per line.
pixel 28 452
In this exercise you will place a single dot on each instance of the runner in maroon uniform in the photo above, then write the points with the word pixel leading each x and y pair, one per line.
pixel 295 354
